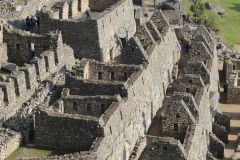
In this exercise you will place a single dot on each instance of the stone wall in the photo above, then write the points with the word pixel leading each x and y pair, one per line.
pixel 227 67
pixel 216 146
pixel 154 31
pixel 94 70
pixel 196 136
pixel 231 67
pixel 185 34
pixel 85 33
pixel 209 43
pixel 210 157
pixel 196 142
pixel 98 38
pixel 83 5
pixel 198 82
pixel 134 53
pixel 203 32
pixel 100 5
pixel 10 141
pixel 187 83
pixel 1 31
pixel 144 35
pixel 19 85
pixel 8 89
pixel 196 109
pixel 23 46
pixel 30 71
pixel 166 148
pixel 220 132
pixel 176 119
pixel 203 50
pixel 223 120
pixel 144 100
pixel 87 105
pixel 232 91
pixel 3 47
pixel 138 149
pixel 142 95
pixel 115 28
pixel 78 86
pixel 199 52
pixel 75 156
pixel 197 68
pixel 3 54
pixel 231 64
pixel 1 97
pixel 111 72
pixel 65 131
pixel 161 22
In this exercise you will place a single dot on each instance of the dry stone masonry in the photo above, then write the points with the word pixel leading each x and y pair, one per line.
pixel 109 80
pixel 9 142
pixel 231 71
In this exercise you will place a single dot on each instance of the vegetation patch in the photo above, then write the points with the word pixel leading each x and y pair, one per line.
pixel 34 152
pixel 227 24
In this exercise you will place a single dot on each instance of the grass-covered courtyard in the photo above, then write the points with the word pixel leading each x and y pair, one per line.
pixel 229 24
pixel 34 152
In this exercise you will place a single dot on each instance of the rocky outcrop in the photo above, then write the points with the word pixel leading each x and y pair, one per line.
pixel 215 8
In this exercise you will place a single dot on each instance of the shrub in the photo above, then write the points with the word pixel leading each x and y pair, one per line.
pixel 210 22
pixel 197 8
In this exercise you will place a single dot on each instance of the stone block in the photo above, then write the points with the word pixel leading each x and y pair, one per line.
pixel 40 65
pixel 31 75
pixel 83 5
pixel 1 98
pixel 64 11
pixel 74 8
pixel 9 91
pixel 20 83
pixel 49 61
pixel 65 131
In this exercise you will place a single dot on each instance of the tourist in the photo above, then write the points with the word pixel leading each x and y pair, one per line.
pixel 88 14
pixel 27 23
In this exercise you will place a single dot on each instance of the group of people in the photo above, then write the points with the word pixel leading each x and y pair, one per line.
pixel 31 23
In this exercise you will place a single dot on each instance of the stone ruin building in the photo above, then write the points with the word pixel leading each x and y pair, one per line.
pixel 173 10
pixel 231 72
pixel 105 80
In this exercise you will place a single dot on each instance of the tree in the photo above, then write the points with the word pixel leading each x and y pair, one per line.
pixel 197 8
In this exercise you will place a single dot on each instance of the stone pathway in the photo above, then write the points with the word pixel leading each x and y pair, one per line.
pixel 233 111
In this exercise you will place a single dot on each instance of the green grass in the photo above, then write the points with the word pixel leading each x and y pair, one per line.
pixel 21 2
pixel 8 6
pixel 229 25
pixel 33 152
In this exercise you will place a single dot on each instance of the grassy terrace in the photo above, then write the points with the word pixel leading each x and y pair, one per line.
pixel 34 152
pixel 229 25
pixel 8 6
